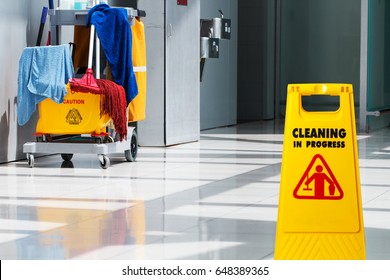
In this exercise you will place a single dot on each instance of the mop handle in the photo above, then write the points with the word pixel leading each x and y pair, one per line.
pixel 97 58
pixel 91 41
pixel 91 44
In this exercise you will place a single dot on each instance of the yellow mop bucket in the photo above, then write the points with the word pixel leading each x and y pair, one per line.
pixel 78 114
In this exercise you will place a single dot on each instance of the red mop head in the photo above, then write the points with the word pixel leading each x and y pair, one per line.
pixel 113 103
pixel 86 84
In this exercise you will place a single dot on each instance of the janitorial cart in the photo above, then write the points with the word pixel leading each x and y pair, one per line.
pixel 85 121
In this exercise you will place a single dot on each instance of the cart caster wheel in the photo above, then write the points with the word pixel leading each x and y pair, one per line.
pixel 67 164
pixel 104 161
pixel 67 157
pixel 42 138
pixel 131 154
pixel 109 139
pixel 30 160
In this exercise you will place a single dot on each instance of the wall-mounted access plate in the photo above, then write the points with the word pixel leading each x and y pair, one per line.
pixel 182 2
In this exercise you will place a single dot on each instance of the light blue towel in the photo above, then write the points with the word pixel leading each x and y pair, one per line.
pixel 43 73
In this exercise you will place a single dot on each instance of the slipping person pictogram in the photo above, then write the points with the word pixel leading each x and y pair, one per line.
pixel 324 183
pixel 319 183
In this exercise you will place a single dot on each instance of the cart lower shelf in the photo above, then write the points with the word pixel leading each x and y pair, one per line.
pixel 68 147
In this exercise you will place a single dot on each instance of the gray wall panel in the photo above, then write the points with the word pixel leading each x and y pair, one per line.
pixel 182 72
pixel 218 89
pixel 172 109
pixel 378 68
pixel 320 43
pixel 19 22
pixel 256 60
pixel 152 130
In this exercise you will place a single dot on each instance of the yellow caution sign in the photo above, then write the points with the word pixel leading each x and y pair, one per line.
pixel 320 209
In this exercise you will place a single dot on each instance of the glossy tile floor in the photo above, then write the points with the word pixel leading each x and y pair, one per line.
pixel 213 199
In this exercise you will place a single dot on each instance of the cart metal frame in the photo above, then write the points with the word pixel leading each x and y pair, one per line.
pixel 67 148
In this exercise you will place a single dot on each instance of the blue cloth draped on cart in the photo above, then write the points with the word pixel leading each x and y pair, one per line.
pixel 43 73
pixel 113 29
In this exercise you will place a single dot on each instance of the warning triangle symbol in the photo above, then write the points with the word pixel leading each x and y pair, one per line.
pixel 318 182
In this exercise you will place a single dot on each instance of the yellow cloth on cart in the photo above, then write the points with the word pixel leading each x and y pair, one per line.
pixel 137 107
